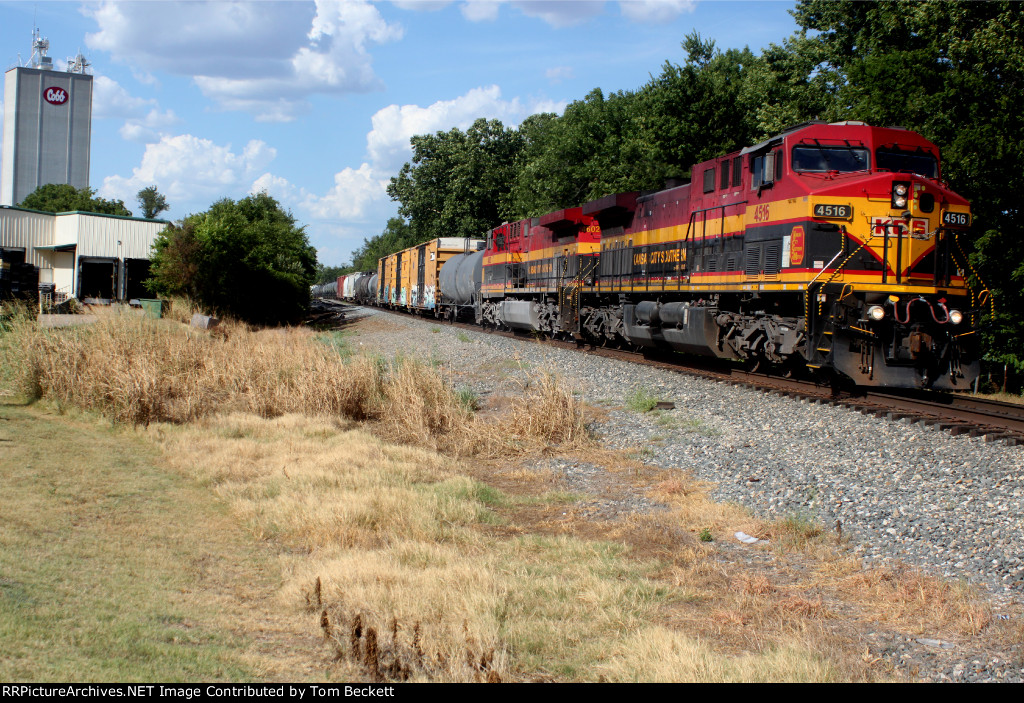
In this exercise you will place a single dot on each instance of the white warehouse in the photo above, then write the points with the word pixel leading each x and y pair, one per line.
pixel 87 256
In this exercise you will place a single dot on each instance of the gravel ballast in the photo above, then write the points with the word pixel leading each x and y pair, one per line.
pixel 950 505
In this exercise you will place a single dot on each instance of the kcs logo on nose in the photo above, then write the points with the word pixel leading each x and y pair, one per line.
pixel 56 96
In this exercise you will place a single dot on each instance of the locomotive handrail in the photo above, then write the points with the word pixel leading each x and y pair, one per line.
pixel 825 268
pixel 694 213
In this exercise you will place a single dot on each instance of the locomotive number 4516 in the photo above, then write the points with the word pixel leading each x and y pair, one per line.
pixel 836 212
pixel 956 219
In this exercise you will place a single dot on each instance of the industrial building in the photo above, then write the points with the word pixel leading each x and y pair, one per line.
pixel 46 133
pixel 47 125
pixel 95 258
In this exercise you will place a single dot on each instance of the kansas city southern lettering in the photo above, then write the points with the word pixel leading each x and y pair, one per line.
pixel 663 256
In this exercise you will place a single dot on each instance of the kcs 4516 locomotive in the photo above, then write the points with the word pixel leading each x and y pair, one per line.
pixel 833 248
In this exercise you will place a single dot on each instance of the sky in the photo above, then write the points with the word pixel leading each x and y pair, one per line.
pixel 314 102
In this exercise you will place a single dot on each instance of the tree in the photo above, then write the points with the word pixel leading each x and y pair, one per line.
pixel 326 274
pixel 151 202
pixel 247 259
pixel 457 181
pixel 63 197
pixel 397 235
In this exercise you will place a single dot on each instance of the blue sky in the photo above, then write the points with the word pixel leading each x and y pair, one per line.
pixel 315 102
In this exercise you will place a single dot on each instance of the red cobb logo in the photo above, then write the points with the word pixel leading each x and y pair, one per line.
pixel 56 96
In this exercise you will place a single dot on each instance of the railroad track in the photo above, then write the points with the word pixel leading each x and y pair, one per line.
pixel 956 414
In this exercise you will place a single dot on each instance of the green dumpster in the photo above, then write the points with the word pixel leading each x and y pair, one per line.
pixel 153 307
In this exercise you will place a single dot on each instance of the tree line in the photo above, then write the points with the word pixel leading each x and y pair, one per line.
pixel 952 71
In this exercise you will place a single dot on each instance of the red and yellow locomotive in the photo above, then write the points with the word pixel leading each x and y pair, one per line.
pixel 834 247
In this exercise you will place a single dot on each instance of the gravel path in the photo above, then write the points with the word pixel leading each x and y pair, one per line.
pixel 950 505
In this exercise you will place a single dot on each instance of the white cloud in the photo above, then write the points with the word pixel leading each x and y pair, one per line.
pixel 655 10
pixel 481 10
pixel 421 5
pixel 354 190
pixel 387 144
pixel 567 13
pixel 559 73
pixel 280 188
pixel 190 170
pixel 149 128
pixel 265 57
pixel 561 13
pixel 110 99
pixel 555 106
pixel 557 13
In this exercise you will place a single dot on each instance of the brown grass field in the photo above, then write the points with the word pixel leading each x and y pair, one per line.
pixel 374 526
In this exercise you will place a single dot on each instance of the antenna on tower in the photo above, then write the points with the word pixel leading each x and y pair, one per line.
pixel 79 64
pixel 40 45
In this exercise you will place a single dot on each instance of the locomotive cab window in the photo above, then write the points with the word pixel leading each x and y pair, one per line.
pixel 709 180
pixel 823 159
pixel 917 161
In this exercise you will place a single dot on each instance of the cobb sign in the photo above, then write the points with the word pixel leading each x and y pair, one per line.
pixel 55 96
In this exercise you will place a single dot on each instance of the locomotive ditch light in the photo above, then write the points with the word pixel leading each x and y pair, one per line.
pixel 876 312
pixel 956 317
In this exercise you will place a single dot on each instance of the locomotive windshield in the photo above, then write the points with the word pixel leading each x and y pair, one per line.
pixel 821 159
pixel 895 159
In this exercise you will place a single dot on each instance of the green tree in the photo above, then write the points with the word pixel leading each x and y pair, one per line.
pixel 63 197
pixel 592 150
pixel 152 202
pixel 457 181
pixel 247 259
pixel 326 274
pixel 397 235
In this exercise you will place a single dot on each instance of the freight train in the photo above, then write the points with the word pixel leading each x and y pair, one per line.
pixel 835 249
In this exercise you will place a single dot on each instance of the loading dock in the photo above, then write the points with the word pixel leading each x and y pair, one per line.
pixel 97 279
pixel 136 271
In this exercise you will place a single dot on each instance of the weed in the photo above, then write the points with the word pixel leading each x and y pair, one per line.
pixel 468 398
pixel 463 337
pixel 705 535
pixel 435 329
pixel 641 400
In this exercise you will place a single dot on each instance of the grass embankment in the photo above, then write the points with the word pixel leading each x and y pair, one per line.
pixel 442 558
pixel 115 568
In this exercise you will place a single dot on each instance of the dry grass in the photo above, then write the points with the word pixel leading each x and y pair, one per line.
pixel 412 565
pixel 136 370
pixel 918 603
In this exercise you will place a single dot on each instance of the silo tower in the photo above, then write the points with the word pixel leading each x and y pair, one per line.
pixel 47 124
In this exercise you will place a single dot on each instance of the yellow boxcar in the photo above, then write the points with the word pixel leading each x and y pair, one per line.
pixel 409 278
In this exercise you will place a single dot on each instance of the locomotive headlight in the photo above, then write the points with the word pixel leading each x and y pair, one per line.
pixel 876 312
pixel 956 317
pixel 899 194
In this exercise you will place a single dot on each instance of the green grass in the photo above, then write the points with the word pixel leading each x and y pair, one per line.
pixel 686 424
pixel 468 398
pixel 463 337
pixel 337 340
pixel 641 400
pixel 109 566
